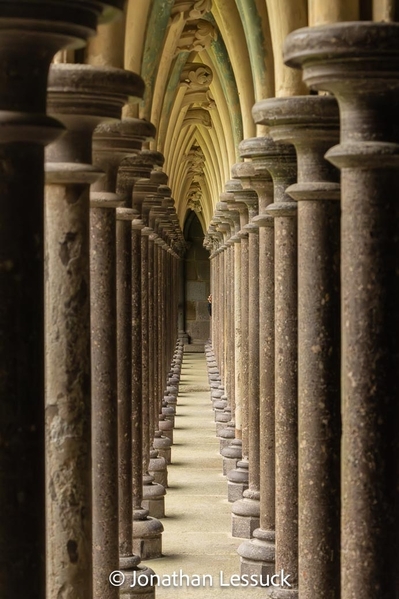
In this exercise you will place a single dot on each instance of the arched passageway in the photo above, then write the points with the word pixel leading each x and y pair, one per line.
pixel 151 152
pixel 197 282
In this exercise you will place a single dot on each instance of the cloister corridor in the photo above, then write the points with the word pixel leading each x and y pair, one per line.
pixel 199 299
pixel 197 537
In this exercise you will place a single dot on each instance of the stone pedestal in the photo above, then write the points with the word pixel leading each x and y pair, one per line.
pixel 30 36
pixel 367 91
pixel 157 468
pixel 147 539
pixel 245 515
pixel 153 497
pixel 237 481
pixel 232 454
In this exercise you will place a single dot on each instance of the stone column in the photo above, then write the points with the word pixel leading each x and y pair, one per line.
pixel 222 406
pixel 226 431
pixel 73 94
pixel 367 96
pixel 217 303
pixel 232 453
pixel 129 384
pixel 28 44
pixel 258 554
pixel 108 152
pixel 136 172
pixel 147 531
pixel 155 290
pixel 245 512
pixel 238 478
pixel 182 300
pixel 284 210
pixel 312 124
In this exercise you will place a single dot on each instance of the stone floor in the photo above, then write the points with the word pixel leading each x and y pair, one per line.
pixel 197 539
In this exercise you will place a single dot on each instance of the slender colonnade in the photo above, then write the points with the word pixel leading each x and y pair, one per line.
pixel 326 324
pixel 299 199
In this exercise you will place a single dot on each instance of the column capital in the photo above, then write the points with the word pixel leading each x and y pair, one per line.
pixel 75 97
pixel 326 55
pixel 109 145
pixel 242 171
pixel 311 124
pixel 145 192
pixel 31 33
pixel 363 87
pixel 282 165
pixel 140 166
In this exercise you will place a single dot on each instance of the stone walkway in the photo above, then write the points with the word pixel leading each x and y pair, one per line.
pixel 197 540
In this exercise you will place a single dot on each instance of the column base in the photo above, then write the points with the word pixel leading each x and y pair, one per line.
pixel 214 385
pixel 157 469
pixel 276 593
pixel 238 481
pixel 226 436
pixel 258 554
pixel 147 538
pixel 171 400
pixel 245 517
pixel 168 412
pixel 163 445
pixel 231 456
pixel 153 497
pixel 135 578
pixel 166 428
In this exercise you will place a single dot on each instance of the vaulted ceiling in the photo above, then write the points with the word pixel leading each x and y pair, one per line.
pixel 205 63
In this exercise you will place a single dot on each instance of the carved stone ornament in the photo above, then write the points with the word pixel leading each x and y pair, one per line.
pixel 196 75
pixel 191 9
pixel 196 36
pixel 197 116
pixel 196 160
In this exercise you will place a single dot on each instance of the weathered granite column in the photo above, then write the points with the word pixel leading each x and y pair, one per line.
pixel 238 478
pixel 211 246
pixel 146 319
pixel 258 554
pixel 311 123
pixel 367 91
pixel 222 407
pixel 233 453
pixel 137 172
pixel 226 431
pixel 245 512
pixel 107 155
pixel 182 300
pixel 74 93
pixel 30 36
pixel 146 531
pixel 159 444
pixel 135 131
pixel 217 302
pixel 284 210
pixel 219 308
